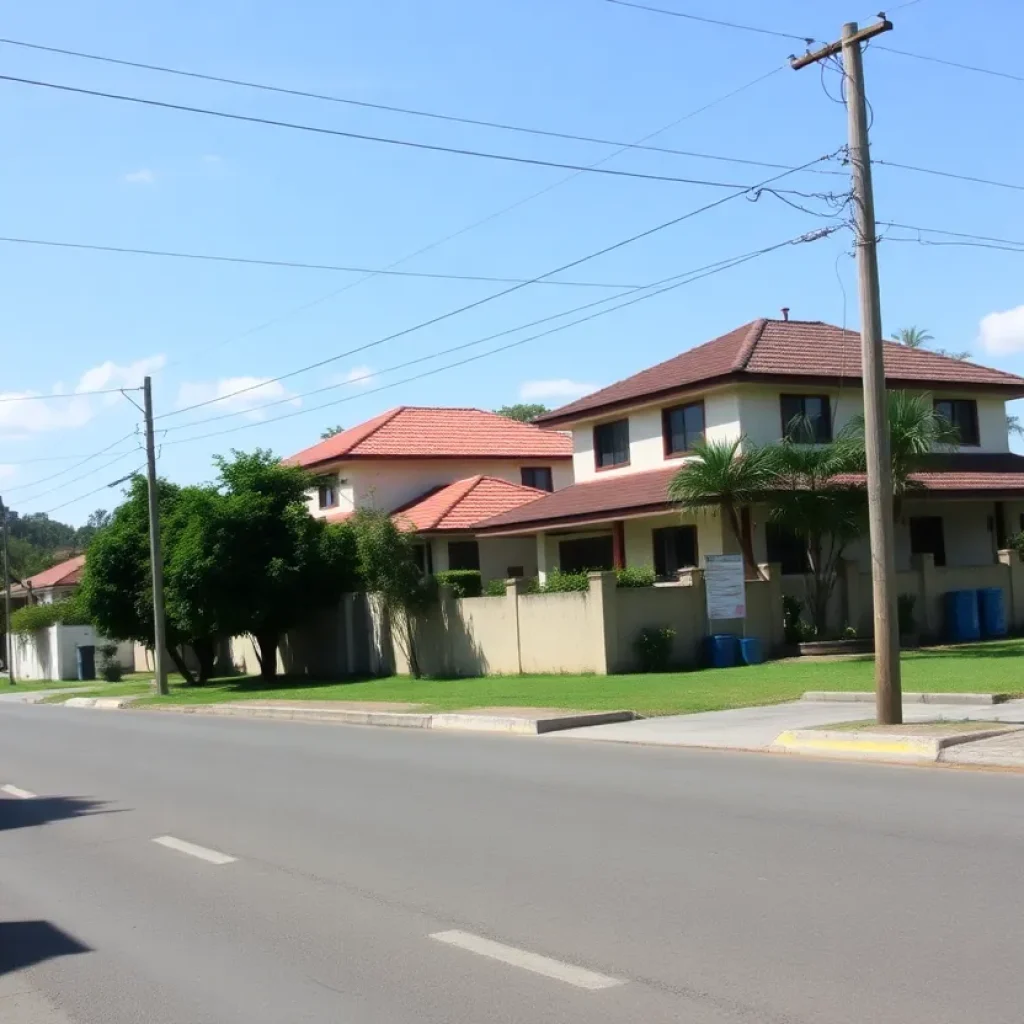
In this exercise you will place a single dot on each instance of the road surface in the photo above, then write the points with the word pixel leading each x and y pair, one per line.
pixel 184 870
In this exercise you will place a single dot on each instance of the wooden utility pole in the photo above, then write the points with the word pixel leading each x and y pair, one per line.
pixel 7 598
pixel 159 630
pixel 888 696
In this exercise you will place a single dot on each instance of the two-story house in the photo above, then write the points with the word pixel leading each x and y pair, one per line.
pixel 631 438
pixel 440 471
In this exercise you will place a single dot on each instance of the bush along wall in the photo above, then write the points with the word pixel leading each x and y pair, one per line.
pixel 41 616
pixel 462 582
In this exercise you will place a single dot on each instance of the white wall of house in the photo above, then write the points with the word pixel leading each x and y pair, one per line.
pixel 639 546
pixel 390 483
pixel 497 554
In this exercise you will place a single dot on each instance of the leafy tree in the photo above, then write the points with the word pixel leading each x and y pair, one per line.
pixel 913 337
pixel 96 521
pixel 389 571
pixel 262 563
pixel 1014 427
pixel 331 432
pixel 723 479
pixel 524 412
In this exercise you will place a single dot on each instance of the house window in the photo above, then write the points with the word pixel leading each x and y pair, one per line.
pixel 327 495
pixel 926 537
pixel 611 444
pixel 422 557
pixel 588 554
pixel 463 554
pixel 962 413
pixel 806 418
pixel 682 427
pixel 514 572
pixel 675 548
pixel 537 476
pixel 787 548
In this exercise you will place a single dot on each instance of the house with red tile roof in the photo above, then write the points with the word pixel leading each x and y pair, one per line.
pixel 441 471
pixel 53 584
pixel 631 438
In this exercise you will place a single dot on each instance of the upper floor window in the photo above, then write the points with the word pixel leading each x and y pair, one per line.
pixel 682 427
pixel 963 414
pixel 537 476
pixel 806 418
pixel 611 444
pixel 326 494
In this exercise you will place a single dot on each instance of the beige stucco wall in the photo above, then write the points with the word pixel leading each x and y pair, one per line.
pixel 497 554
pixel 556 633
pixel 640 544
pixel 390 483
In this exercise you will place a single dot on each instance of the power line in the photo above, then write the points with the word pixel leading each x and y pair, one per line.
pixel 66 397
pixel 714 21
pixel 359 136
pixel 411 111
pixel 294 264
pixel 96 490
pixel 1009 243
pixel 757 189
pixel 695 276
pixel 950 174
pixel 120 457
pixel 951 63
pixel 70 469
pixel 473 225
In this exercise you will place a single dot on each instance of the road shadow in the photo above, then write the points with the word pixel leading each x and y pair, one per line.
pixel 24 943
pixel 42 810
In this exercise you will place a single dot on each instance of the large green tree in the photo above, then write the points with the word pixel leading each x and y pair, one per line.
pixel 524 411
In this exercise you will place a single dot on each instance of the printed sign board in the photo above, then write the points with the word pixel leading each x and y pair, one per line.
pixel 724 584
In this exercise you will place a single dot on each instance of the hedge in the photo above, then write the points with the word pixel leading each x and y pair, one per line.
pixel 461 582
pixel 634 576
pixel 41 616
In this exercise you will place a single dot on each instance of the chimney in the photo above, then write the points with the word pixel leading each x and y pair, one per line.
pixel 785 312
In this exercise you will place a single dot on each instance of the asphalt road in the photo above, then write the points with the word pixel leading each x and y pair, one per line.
pixel 622 883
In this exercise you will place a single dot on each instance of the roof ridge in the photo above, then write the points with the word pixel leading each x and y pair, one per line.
pixel 750 340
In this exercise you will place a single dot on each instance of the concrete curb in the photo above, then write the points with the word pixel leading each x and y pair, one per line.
pixel 875 746
pixel 408 720
pixel 867 697
pixel 100 703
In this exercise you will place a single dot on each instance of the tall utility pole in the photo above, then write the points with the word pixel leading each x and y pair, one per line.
pixel 159 630
pixel 7 598
pixel 888 697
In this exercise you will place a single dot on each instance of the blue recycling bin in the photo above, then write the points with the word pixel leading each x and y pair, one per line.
pixel 86 657
pixel 721 650
pixel 751 652
pixel 962 616
pixel 992 612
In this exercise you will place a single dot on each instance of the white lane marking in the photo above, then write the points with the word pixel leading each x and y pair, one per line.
pixel 202 852
pixel 556 969
pixel 21 794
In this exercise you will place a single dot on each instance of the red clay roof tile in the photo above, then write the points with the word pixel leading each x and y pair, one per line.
pixel 463 504
pixel 413 432
pixel 783 348
pixel 63 574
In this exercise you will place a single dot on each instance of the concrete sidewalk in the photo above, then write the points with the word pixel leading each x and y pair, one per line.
pixel 758 727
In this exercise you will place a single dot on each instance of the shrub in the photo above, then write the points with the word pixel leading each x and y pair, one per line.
pixel 905 613
pixel 791 624
pixel 634 576
pixel 110 667
pixel 850 633
pixel 495 588
pixel 461 582
pixel 559 582
pixel 1016 543
pixel 67 612
pixel 653 647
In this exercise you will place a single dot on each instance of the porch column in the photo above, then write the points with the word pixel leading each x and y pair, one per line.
pixel 542 558
pixel 618 544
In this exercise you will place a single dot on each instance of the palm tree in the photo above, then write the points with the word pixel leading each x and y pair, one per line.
pixel 1014 427
pixel 724 479
pixel 913 337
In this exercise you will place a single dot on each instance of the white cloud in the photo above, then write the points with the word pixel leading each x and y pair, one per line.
pixel 361 376
pixel 256 391
pixel 143 176
pixel 561 387
pixel 1002 333
pixel 71 410
pixel 7 470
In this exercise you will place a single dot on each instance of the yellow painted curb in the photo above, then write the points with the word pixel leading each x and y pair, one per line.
pixel 843 744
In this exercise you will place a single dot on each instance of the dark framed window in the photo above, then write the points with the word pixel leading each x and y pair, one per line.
pixel 682 426
pixel 787 548
pixel 806 418
pixel 927 537
pixel 675 548
pixel 611 444
pixel 326 494
pixel 463 554
pixel 423 558
pixel 514 572
pixel 537 476
pixel 962 413
pixel 588 554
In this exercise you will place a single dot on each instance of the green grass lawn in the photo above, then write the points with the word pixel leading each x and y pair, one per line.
pixel 996 667
pixel 27 685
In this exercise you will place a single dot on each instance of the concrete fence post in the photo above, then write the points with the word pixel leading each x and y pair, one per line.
pixel 1014 587
pixel 514 589
pixel 603 621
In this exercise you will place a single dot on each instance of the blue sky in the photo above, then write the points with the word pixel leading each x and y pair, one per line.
pixel 80 169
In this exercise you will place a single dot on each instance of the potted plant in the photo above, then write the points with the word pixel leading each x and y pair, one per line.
pixel 907 620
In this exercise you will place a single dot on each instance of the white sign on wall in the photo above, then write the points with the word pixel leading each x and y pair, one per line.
pixel 725 586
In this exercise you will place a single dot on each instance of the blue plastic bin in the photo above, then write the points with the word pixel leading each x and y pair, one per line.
pixel 962 622
pixel 721 650
pixel 991 612
pixel 750 650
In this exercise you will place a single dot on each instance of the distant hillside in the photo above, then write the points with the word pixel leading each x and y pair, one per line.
pixel 36 541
